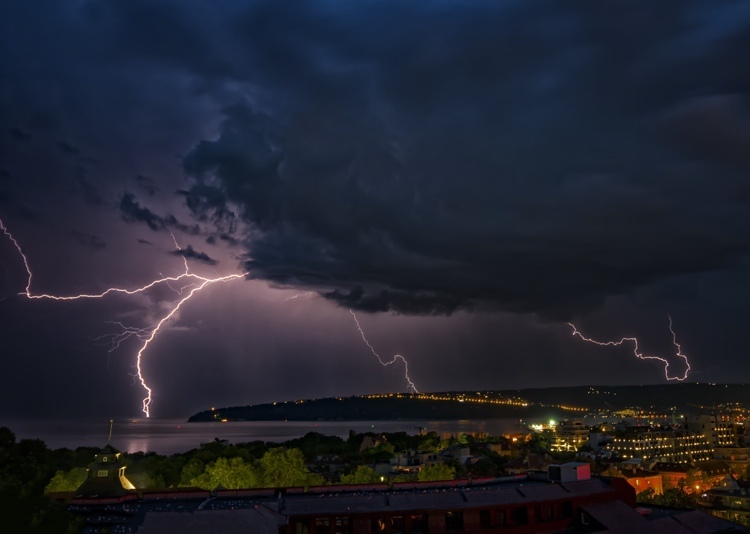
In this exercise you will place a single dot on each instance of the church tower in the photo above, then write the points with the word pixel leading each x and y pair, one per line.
pixel 106 475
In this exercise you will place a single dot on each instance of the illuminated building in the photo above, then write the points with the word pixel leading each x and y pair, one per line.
pixel 711 473
pixel 105 475
pixel 570 435
pixel 728 500
pixel 738 459
pixel 662 445
pixel 641 479
pixel 719 430
pixel 672 475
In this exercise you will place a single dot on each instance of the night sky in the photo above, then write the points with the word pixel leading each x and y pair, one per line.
pixel 467 176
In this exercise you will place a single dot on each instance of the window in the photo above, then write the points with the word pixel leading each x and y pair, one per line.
pixel 102 473
pixel 454 521
pixel 484 519
pixel 520 516
pixel 321 525
pixel 343 525
pixel 543 512
pixel 419 524
pixel 397 524
pixel 500 519
pixel 567 508
pixel 104 459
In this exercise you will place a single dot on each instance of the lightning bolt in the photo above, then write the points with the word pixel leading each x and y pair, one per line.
pixel 639 354
pixel 114 340
pixel 146 335
pixel 396 358
pixel 139 357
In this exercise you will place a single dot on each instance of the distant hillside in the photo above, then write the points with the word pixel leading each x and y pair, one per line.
pixel 360 409
pixel 518 404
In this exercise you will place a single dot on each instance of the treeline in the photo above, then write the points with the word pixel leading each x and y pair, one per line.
pixel 304 461
pixel 26 468
pixel 29 470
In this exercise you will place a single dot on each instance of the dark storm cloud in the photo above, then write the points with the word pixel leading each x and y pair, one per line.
pixel 88 191
pixel 713 128
pixel 226 238
pixel 397 156
pixel 19 135
pixel 90 241
pixel 191 254
pixel 404 302
pixel 68 149
pixel 10 205
pixel 147 184
pixel 209 203
pixel 534 157
pixel 132 211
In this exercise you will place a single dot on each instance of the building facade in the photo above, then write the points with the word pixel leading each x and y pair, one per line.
pixel 717 429
pixel 570 435
pixel 677 446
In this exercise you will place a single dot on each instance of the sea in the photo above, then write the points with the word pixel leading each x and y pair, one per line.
pixel 170 436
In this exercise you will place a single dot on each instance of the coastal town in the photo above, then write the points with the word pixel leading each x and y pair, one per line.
pixel 658 467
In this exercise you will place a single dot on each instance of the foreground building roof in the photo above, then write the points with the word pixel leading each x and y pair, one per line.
pixel 520 505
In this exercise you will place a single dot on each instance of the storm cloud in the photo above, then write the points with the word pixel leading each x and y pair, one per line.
pixel 528 157
pixel 132 211
pixel 423 159
pixel 191 254
pixel 542 161
pixel 90 241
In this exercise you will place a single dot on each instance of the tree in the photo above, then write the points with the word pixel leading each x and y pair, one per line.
pixel 486 467
pixel 233 473
pixel 672 497
pixel 429 442
pixel 146 480
pixel 66 480
pixel 437 472
pixel 26 468
pixel 314 444
pixel 285 468
pixel 363 475
pixel 381 452
pixel 192 469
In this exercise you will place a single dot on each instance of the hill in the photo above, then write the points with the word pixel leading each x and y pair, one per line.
pixel 518 404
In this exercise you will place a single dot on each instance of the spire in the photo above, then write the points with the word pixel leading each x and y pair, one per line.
pixel 109 438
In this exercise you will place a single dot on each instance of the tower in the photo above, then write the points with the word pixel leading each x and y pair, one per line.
pixel 106 475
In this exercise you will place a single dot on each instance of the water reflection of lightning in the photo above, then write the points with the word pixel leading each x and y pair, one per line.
pixel 639 354
pixel 147 334
pixel 396 358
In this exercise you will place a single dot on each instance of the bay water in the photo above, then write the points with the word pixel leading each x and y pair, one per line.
pixel 169 436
